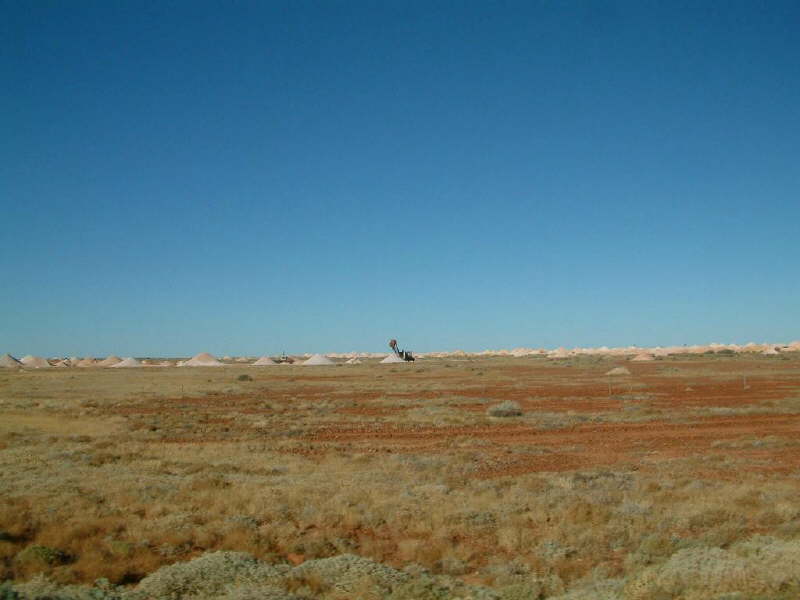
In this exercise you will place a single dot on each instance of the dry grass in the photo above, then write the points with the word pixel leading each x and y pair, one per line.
pixel 115 474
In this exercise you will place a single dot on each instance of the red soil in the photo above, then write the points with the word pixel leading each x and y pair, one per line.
pixel 590 445
pixel 676 397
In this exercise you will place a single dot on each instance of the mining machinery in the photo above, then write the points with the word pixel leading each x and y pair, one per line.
pixel 404 354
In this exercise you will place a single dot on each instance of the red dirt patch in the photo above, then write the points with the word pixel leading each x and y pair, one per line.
pixel 598 444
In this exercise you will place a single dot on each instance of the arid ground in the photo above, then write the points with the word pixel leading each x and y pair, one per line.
pixel 680 480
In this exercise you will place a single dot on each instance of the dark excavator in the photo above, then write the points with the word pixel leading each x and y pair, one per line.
pixel 404 354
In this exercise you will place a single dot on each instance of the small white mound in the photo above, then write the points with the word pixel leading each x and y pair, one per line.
pixel 242 359
pixel 770 351
pixel 619 371
pixel 204 359
pixel 318 359
pixel 127 363
pixel 353 361
pixel 9 362
pixel 165 363
pixel 644 356
pixel 226 358
pixel 109 361
pixel 34 362
pixel 86 362
pixel 392 358
pixel 264 361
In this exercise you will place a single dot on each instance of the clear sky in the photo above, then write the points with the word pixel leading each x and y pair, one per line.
pixel 252 177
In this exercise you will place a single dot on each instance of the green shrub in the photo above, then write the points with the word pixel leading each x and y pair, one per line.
pixel 7 592
pixel 41 556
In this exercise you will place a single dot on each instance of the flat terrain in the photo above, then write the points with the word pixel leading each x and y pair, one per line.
pixel 602 483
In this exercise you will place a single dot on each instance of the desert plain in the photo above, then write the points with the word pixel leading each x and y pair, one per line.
pixel 501 478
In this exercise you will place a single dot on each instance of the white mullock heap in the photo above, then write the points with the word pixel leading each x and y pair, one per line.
pixel 264 361
pixel 392 358
pixel 127 363
pixel 204 359
pixel 109 361
pixel 318 359
pixel 34 362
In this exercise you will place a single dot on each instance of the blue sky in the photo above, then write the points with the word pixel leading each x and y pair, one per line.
pixel 253 177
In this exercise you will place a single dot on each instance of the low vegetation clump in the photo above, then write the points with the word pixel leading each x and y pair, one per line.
pixel 760 566
pixel 41 555
pixel 42 588
pixel 509 408
pixel 36 558
pixel 757 568
pixel 208 576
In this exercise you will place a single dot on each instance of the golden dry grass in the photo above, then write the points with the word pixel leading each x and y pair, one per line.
pixel 124 471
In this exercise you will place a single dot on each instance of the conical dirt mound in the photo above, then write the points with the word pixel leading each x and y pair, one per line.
pixel 318 359
pixel 9 362
pixel 129 362
pixel 392 358
pixel 204 359
pixel 35 362
pixel 264 361
pixel 110 361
